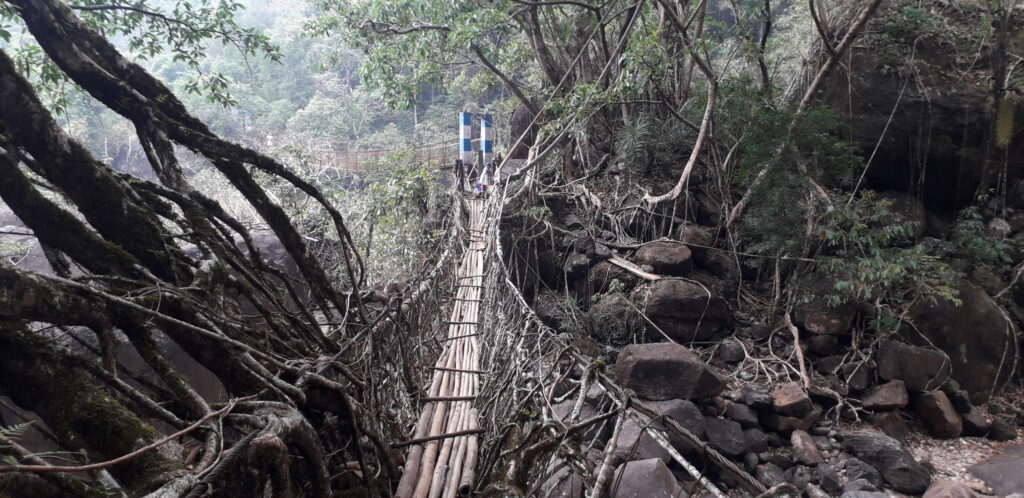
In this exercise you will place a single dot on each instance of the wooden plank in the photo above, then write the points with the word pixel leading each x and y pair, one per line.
pixel 427 439
pixel 429 399
pixel 632 268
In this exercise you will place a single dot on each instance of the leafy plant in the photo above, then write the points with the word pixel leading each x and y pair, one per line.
pixel 974 241
pixel 874 260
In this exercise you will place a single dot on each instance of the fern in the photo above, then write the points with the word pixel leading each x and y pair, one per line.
pixel 633 141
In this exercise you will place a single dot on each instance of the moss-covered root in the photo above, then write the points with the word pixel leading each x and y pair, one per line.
pixel 82 416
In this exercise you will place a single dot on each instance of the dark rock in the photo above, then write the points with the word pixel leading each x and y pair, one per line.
pixel 563 483
pixel 678 307
pixel 602 252
pixel 892 424
pixel 919 368
pixel 829 364
pixel 976 423
pixel 1002 472
pixel 730 352
pixel 769 474
pixel 680 410
pixel 750 460
pixel 859 376
pixel 606 236
pixel 813 491
pixel 636 444
pixel 742 414
pixel 667 258
pixel 698 238
pixel 857 469
pixel 975 335
pixel 756 397
pixel 755 440
pixel 864 494
pixel 576 266
pixel 757 331
pixel 961 401
pixel 798 476
pixel 1002 430
pixel 987 279
pixel 572 222
pixel 774 440
pixel 817 316
pixel 804 449
pixel 938 415
pixel 949 489
pixel 830 480
pixel 603 275
pixel 823 345
pixel 648 478
pixel 858 485
pixel 897 467
pixel 725 435
pixel 666 371
pixel 612 320
pixel 889 396
pixel 781 457
pixel 785 424
pixel 790 399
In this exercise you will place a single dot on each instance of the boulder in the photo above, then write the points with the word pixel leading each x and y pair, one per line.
pixel 667 258
pixel 636 444
pixel 755 440
pixel 770 475
pixel 1002 472
pixel 790 399
pixel 786 424
pixel 725 435
pixel 823 345
pixel 1002 430
pixel 682 411
pixel 604 274
pixel 920 369
pixel 816 315
pixel 666 371
pixel 857 469
pixel 742 414
pixel 949 489
pixel 698 238
pixel 889 396
pixel 976 423
pixel 938 415
pixel 613 321
pixel 685 311
pixel 576 266
pixel 896 465
pixel 976 335
pixel 892 424
pixel 804 450
pixel 644 479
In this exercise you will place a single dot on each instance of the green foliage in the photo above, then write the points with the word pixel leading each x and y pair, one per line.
pixel 974 241
pixel 872 259
pixel 799 147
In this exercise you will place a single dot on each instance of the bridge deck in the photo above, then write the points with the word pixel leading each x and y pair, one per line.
pixel 442 462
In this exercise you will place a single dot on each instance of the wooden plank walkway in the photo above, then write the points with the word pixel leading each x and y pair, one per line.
pixel 443 459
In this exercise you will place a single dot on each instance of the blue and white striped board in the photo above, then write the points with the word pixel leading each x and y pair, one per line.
pixel 486 137
pixel 466 138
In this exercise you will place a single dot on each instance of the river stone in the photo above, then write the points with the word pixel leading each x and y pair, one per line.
pixel 804 450
pixel 892 424
pixel 791 400
pixel 725 435
pixel 949 489
pixel 741 413
pixel 1002 430
pixel 667 258
pixel 896 465
pixel 636 444
pixel 682 411
pixel 889 396
pixel 603 274
pixel 755 440
pixel 1002 472
pixel 919 368
pixel 563 483
pixel 769 474
pixel 576 266
pixel 975 335
pixel 644 479
pixel 976 423
pixel 816 315
pixel 678 307
pixel 938 415
pixel 857 469
pixel 666 371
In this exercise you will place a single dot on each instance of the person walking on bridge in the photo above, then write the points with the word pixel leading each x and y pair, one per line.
pixel 486 177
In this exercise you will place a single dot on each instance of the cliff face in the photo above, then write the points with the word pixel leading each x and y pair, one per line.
pixel 932 69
